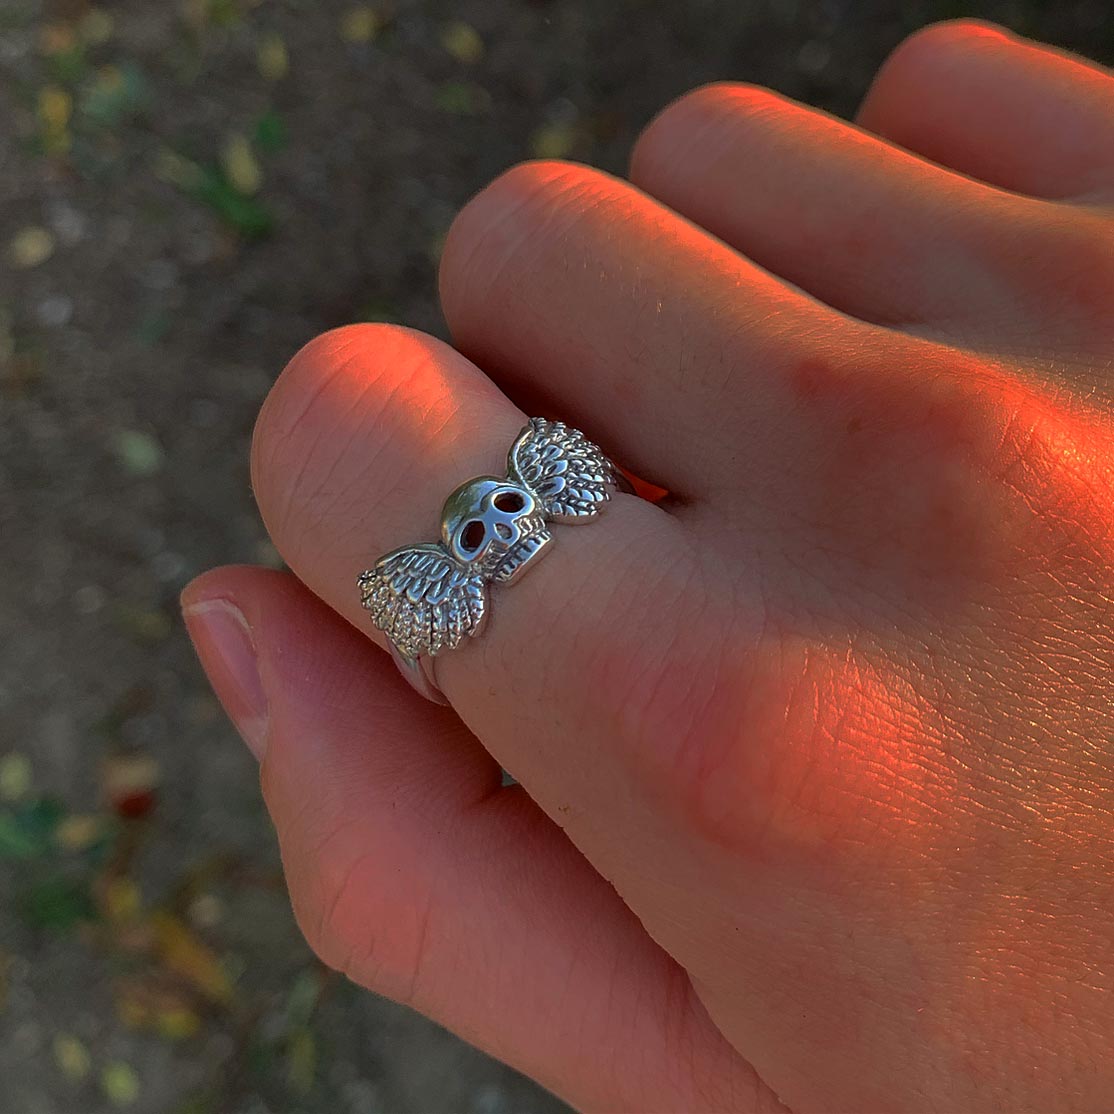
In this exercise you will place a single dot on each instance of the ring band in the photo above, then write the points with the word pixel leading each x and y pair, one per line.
pixel 428 598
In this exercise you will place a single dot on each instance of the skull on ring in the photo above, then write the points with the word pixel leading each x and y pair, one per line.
pixel 494 525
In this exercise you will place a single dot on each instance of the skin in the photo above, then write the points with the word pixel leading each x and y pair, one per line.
pixel 815 756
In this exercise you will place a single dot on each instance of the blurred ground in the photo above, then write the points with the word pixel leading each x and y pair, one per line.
pixel 188 192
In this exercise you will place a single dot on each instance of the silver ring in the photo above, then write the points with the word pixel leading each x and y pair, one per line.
pixel 428 598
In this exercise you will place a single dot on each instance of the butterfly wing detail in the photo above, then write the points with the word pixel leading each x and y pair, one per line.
pixel 423 599
pixel 567 473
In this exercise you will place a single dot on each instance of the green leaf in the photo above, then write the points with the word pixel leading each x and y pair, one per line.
pixel 28 831
pixel 301 1061
pixel 462 98
pixel 120 1083
pixel 201 1102
pixel 72 1057
pixel 224 13
pixel 56 904
pixel 69 65
pixel 138 451
pixel 270 132
pixel 16 775
pixel 249 216
pixel 302 1000
pixel 42 817
pixel 15 843
pixel 261 1057
pixel 117 94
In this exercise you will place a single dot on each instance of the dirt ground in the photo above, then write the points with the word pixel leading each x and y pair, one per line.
pixel 188 192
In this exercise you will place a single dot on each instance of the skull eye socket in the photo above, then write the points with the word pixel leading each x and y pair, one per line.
pixel 472 536
pixel 509 501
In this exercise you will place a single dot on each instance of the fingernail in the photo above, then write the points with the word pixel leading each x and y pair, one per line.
pixel 223 641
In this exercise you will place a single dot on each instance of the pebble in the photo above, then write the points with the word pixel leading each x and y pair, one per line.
pixel 813 57
pixel 31 246
pixel 69 225
pixel 490 1099
pixel 168 566
pixel 55 311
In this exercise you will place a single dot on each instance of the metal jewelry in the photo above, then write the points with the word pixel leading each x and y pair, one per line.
pixel 428 598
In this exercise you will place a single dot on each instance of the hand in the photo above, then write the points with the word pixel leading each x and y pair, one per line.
pixel 817 756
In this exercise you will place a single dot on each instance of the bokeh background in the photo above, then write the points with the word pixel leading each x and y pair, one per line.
pixel 190 190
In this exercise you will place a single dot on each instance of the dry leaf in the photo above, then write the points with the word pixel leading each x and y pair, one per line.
pixel 360 24
pixel 146 1003
pixel 129 781
pixel 30 246
pixel 120 1083
pixel 76 833
pixel 55 106
pixel 57 38
pixel 183 953
pixel 177 170
pixel 122 901
pixel 301 1061
pixel 553 141
pixel 177 1023
pixel 463 42
pixel 96 26
pixel 240 165
pixel 15 776
pixel 72 1057
pixel 272 57
pixel 110 82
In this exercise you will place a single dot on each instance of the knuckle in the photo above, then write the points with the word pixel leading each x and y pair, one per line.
pixel 333 389
pixel 1053 269
pixel 977 469
pixel 312 367
pixel 1067 260
pixel 683 125
pixel 303 390
pixel 790 745
pixel 938 44
pixel 670 721
pixel 521 210
pixel 764 768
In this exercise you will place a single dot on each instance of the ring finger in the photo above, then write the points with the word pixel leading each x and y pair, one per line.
pixel 363 436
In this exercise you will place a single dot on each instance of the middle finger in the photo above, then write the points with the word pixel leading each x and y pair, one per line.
pixel 582 295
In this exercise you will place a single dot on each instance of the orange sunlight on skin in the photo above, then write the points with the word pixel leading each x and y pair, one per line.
pixel 838 760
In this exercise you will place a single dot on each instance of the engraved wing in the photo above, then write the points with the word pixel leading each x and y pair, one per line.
pixel 565 471
pixel 423 599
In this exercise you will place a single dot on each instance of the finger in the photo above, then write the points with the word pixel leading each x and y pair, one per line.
pixel 860 224
pixel 582 294
pixel 414 873
pixel 356 448
pixel 971 96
